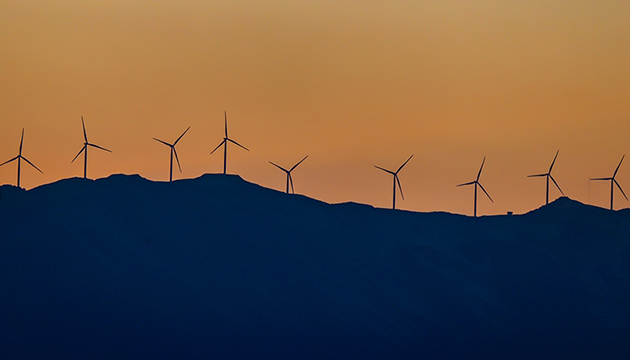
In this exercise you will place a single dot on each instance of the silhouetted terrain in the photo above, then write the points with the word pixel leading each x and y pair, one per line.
pixel 216 267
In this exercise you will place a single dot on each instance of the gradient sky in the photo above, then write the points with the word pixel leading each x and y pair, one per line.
pixel 352 84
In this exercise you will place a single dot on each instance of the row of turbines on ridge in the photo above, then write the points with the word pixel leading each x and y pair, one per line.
pixel 396 181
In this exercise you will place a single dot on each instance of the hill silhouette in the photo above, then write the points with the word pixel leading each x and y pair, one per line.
pixel 217 267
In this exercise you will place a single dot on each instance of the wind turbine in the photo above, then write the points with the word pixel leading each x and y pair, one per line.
pixel 289 178
pixel 614 182
pixel 224 144
pixel 477 183
pixel 548 176
pixel 396 180
pixel 173 151
pixel 84 149
pixel 19 159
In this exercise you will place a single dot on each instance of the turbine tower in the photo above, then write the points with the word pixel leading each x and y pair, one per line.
pixel 84 150
pixel 289 178
pixel 396 181
pixel 477 183
pixel 548 176
pixel 224 143
pixel 614 182
pixel 19 159
pixel 173 151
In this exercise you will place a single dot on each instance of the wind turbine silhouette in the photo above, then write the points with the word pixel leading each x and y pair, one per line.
pixel 477 183
pixel 224 143
pixel 289 178
pixel 614 182
pixel 173 151
pixel 548 176
pixel 396 180
pixel 85 149
pixel 19 159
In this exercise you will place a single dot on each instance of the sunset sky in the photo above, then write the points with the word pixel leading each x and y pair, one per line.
pixel 352 84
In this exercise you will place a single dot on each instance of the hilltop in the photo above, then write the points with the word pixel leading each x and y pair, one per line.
pixel 217 267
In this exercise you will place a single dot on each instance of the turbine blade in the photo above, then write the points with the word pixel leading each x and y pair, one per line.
pixel 468 183
pixel 296 165
pixel 554 161
pixel 8 161
pixel 235 143
pixel 537 175
pixel 405 163
pixel 180 136
pixel 163 142
pixel 33 165
pixel 225 113
pixel 21 141
pixel 83 148
pixel 617 169
pixel 84 132
pixel 279 167
pixel 481 168
pixel 99 147
pixel 399 187
pixel 216 148
pixel 619 186
pixel 558 186
pixel 484 190
pixel 177 158
pixel 387 171
pixel 291 182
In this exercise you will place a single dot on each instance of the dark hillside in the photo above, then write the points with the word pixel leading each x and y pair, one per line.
pixel 216 267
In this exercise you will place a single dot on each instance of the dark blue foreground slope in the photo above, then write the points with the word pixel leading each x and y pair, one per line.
pixel 217 267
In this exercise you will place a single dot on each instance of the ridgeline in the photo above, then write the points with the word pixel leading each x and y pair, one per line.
pixel 217 267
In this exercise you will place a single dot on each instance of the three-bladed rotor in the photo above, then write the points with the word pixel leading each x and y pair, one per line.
pixel 224 143
pixel 396 181
pixel 84 149
pixel 289 177
pixel 549 176
pixel 614 182
pixel 477 183
pixel 173 152
pixel 19 159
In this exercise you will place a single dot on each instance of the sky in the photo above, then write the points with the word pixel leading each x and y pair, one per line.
pixel 352 84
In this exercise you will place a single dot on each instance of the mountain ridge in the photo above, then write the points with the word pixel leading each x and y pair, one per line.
pixel 219 267
pixel 221 180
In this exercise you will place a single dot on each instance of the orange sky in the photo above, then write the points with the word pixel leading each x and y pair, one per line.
pixel 352 84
